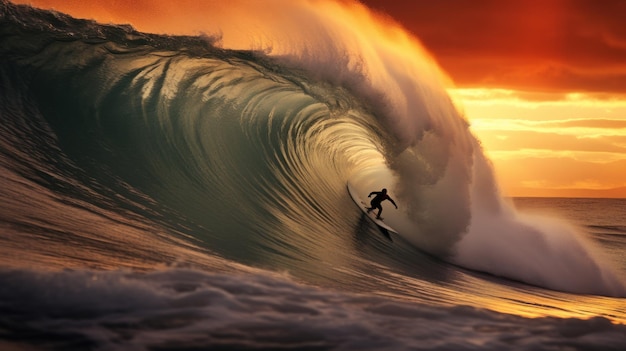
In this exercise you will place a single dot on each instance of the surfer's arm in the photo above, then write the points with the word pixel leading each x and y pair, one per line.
pixel 372 193
pixel 393 202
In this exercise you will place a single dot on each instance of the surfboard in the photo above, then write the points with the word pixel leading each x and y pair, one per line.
pixel 371 215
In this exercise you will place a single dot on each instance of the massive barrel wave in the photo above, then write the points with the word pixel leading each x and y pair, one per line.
pixel 252 149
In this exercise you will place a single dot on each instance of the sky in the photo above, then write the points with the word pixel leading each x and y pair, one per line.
pixel 542 82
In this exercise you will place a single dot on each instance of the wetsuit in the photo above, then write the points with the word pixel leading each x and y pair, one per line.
pixel 375 203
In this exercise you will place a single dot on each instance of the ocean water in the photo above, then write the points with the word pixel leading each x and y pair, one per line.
pixel 167 193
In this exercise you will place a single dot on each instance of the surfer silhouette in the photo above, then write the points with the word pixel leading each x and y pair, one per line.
pixel 380 197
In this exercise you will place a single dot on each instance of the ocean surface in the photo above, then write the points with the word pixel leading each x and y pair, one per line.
pixel 163 192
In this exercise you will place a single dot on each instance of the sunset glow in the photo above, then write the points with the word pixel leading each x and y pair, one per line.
pixel 543 84
pixel 561 145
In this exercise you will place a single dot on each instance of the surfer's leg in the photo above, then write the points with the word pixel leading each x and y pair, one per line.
pixel 373 205
pixel 380 210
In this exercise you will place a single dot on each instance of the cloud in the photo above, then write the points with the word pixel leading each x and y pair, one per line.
pixel 576 45
pixel 580 127
pixel 558 172
pixel 552 141
pixel 585 123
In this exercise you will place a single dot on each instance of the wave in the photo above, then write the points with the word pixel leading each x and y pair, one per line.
pixel 246 153
pixel 175 309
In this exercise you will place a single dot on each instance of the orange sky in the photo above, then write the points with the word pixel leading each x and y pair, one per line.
pixel 543 83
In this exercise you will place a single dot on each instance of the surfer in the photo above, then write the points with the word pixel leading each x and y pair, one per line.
pixel 380 197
